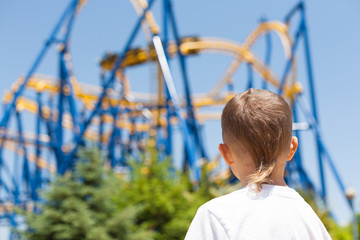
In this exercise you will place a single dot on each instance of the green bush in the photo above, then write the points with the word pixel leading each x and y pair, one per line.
pixel 165 196
pixel 79 206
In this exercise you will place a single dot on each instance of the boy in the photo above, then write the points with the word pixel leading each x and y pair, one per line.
pixel 257 134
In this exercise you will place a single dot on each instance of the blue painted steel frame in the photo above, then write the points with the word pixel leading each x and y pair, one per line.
pixel 302 32
pixel 30 183
pixel 311 114
pixel 51 39
pixel 171 93
pixel 191 120
pixel 38 181
pixel 68 159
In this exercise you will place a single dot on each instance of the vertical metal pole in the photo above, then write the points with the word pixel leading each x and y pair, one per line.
pixel 65 83
pixel 304 179
pixel 191 121
pixel 132 137
pixel 37 154
pixel 101 129
pixel 26 169
pixel 102 111
pixel 122 148
pixel 168 145
pixel 13 178
pixel 65 54
pixel 312 96
pixel 169 83
pixel 302 30
pixel 59 127
pixel 165 24
pixel 2 166
pixel 51 131
pixel 72 107
pixel 16 178
pixel 250 76
pixel 309 68
pixel 320 149
pixel 112 139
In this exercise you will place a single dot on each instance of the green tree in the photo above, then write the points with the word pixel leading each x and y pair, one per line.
pixel 79 206
pixel 165 196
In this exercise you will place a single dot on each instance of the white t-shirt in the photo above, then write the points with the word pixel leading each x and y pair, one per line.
pixel 275 213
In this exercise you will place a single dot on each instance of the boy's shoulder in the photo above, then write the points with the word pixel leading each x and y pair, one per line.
pixel 224 204
pixel 267 191
pixel 227 199
pixel 247 198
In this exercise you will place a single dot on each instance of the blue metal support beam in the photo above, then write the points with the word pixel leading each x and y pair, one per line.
pixel 5 168
pixel 323 150
pixel 302 32
pixel 250 76
pixel 38 150
pixel 312 96
pixel 304 178
pixel 168 140
pixel 69 157
pixel 59 126
pixel 191 120
pixel 26 176
pixel 295 9
pixel 169 83
pixel 66 91
pixel 112 139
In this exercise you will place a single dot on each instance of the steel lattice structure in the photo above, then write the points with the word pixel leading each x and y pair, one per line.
pixel 68 114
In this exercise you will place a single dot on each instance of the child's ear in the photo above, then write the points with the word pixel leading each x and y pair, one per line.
pixel 226 153
pixel 293 146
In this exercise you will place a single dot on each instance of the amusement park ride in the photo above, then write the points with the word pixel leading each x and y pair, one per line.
pixel 46 119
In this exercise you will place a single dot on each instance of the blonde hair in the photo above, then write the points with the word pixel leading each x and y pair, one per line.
pixel 260 123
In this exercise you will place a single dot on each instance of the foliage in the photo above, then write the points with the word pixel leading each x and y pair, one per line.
pixel 78 206
pixel 164 195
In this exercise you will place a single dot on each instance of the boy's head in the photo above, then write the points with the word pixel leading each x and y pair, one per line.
pixel 257 128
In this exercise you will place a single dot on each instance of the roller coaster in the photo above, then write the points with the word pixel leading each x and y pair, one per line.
pixel 46 118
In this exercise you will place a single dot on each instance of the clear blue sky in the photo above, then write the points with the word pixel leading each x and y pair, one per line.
pixel 105 25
